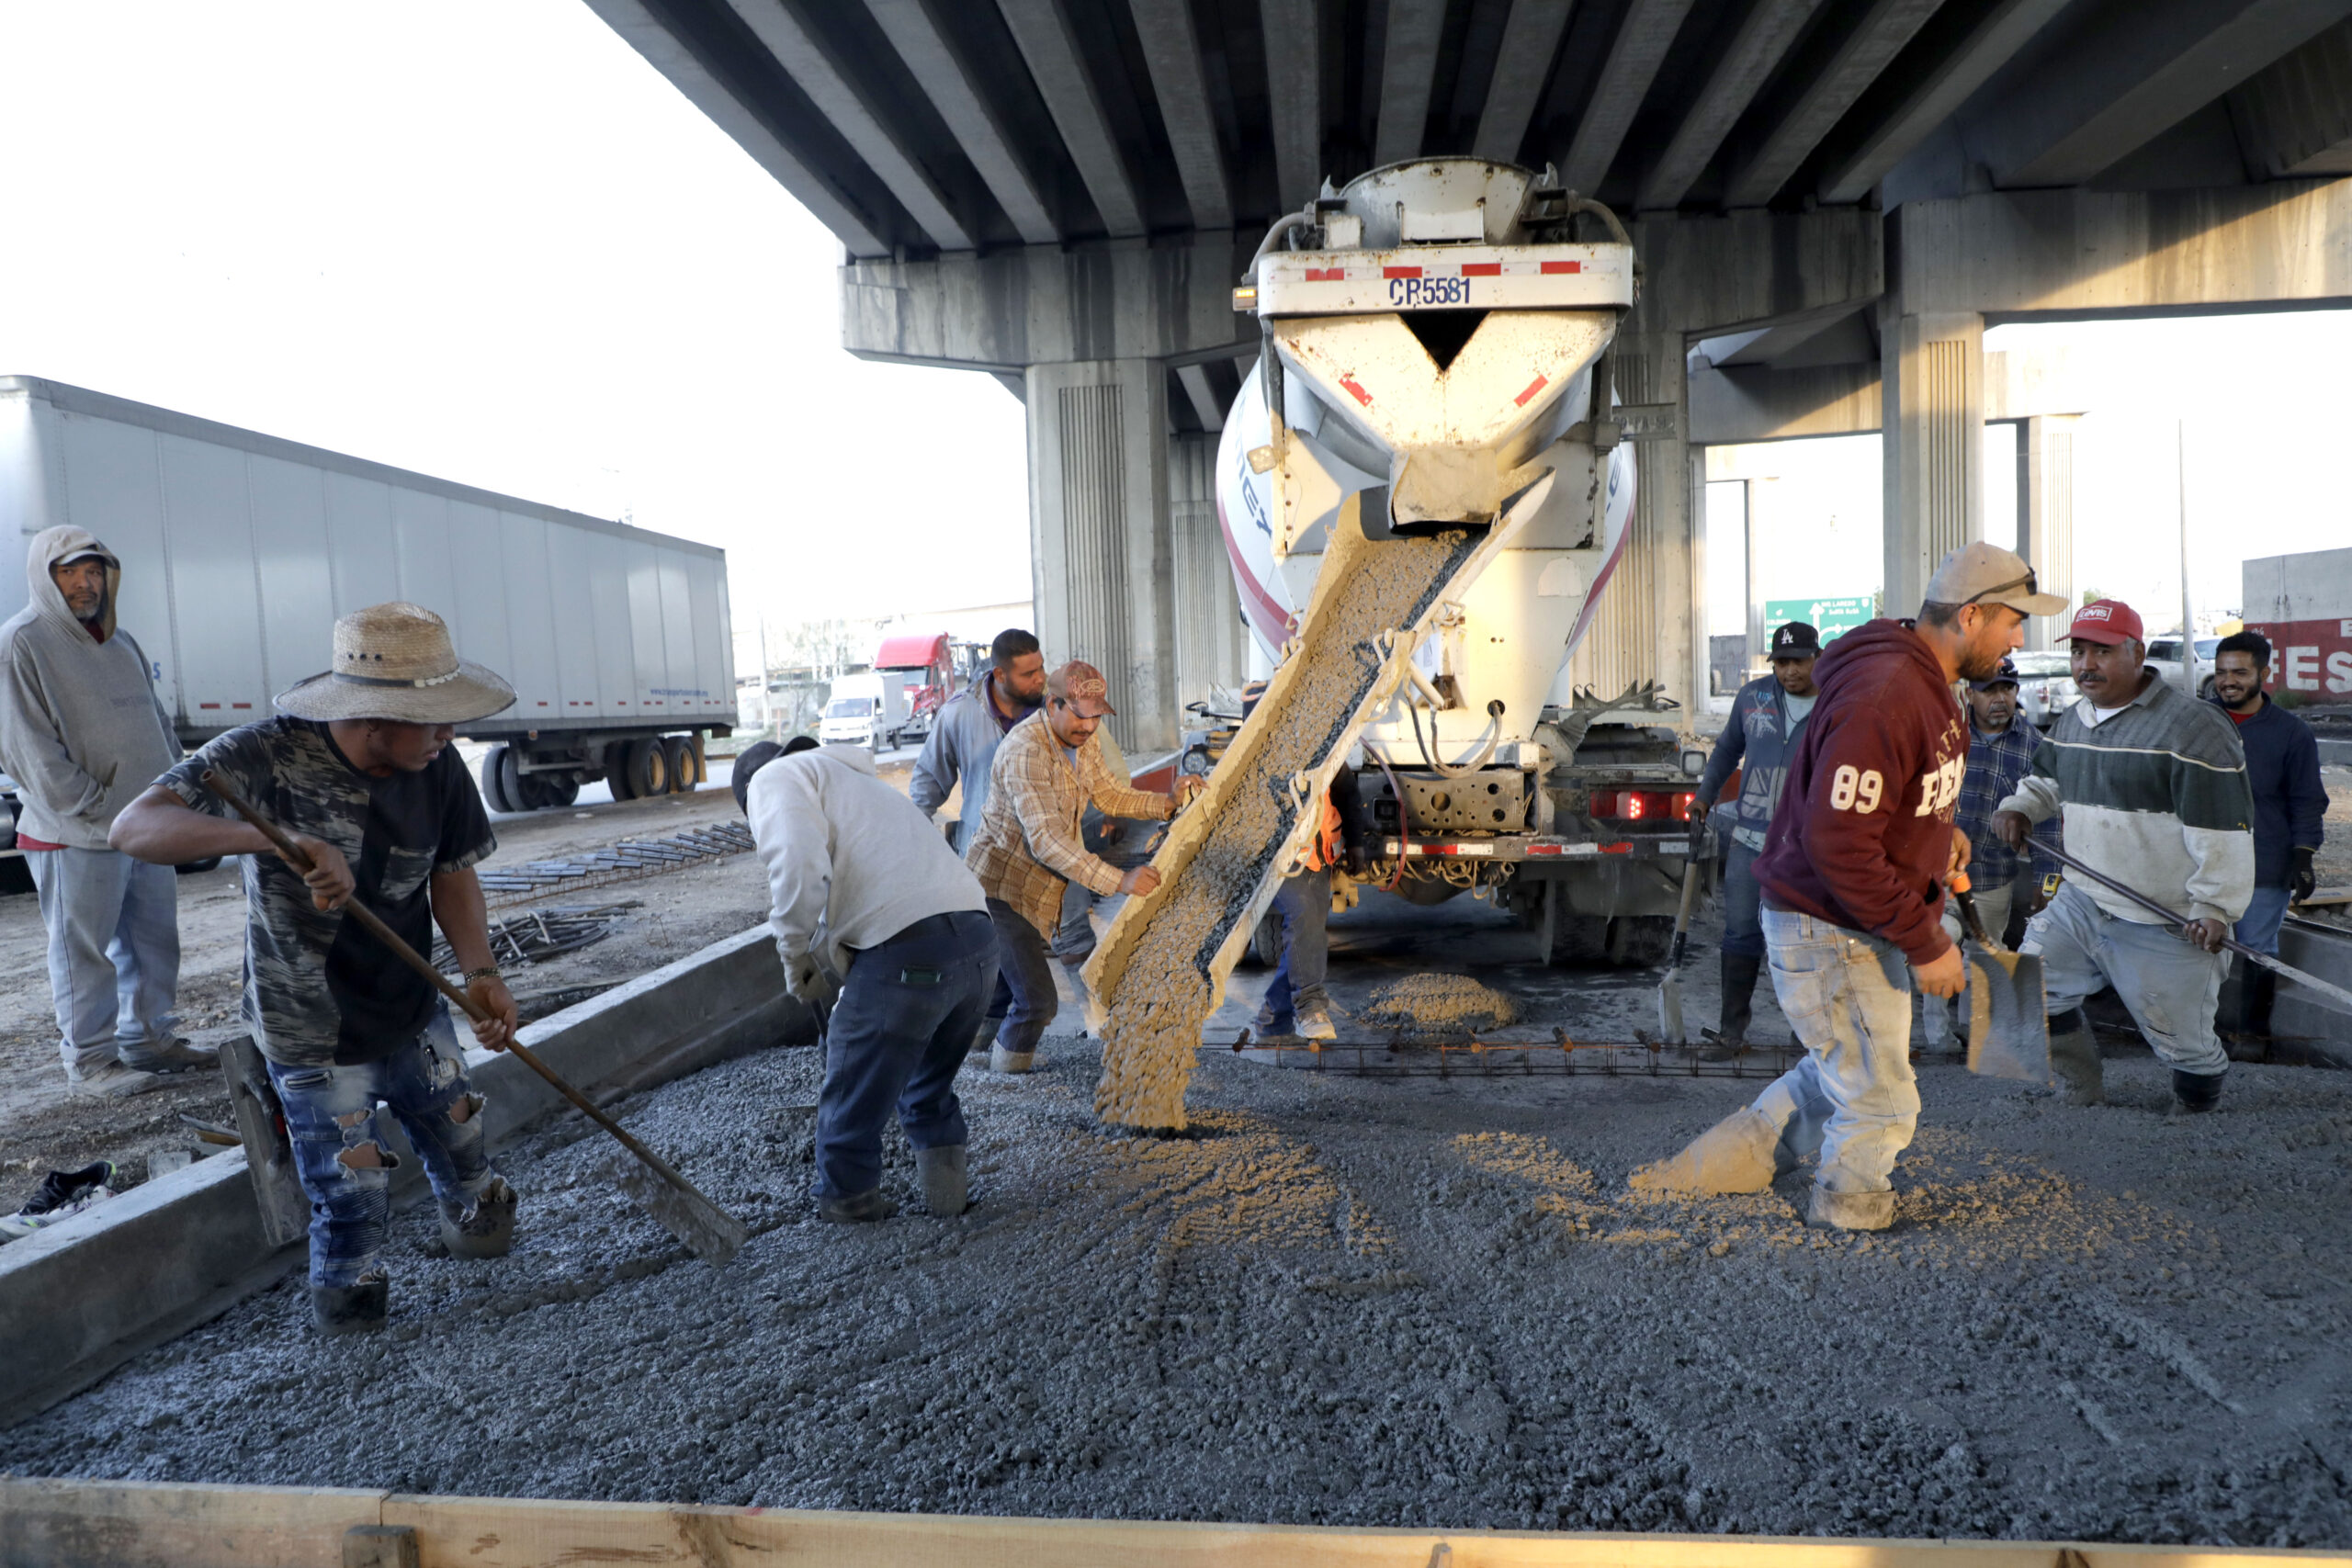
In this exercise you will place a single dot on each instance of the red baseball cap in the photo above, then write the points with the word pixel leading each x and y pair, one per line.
pixel 2109 621
pixel 1083 687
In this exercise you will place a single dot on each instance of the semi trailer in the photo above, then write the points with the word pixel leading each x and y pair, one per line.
pixel 240 549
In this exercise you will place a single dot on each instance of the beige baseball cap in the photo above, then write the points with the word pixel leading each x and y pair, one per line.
pixel 1083 687
pixel 1985 573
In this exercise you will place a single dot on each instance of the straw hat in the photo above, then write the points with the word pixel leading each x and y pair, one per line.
pixel 396 662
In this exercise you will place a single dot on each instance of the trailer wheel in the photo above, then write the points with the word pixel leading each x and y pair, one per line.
pixel 1265 948
pixel 1640 941
pixel 514 783
pixel 678 754
pixel 494 779
pixel 564 788
pixel 617 770
pixel 647 771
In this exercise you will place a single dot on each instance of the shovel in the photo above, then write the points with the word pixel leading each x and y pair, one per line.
pixel 709 1231
pixel 1669 991
pixel 2008 1032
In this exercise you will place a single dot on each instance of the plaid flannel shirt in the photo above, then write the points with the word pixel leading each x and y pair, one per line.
pixel 1996 764
pixel 1029 847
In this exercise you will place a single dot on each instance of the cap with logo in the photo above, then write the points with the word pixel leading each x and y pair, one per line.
pixel 2005 675
pixel 1081 686
pixel 1795 640
pixel 1982 574
pixel 2108 621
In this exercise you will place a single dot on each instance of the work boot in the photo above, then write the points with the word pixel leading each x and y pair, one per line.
pixel 859 1209
pixel 2198 1092
pixel 943 1171
pixel 1314 1021
pixel 1077 992
pixel 114 1081
pixel 173 1054
pixel 2074 1056
pixel 1738 1154
pixel 1729 1037
pixel 485 1230
pixel 1003 1061
pixel 351 1309
pixel 2257 993
pixel 1849 1211
pixel 983 1037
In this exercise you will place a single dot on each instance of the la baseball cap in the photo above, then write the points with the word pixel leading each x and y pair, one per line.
pixel 1985 573
pixel 1795 640
pixel 2109 621
pixel 1083 687
pixel 2006 675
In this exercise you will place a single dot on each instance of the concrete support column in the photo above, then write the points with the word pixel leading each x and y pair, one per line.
pixel 1650 624
pixel 1101 552
pixel 2046 514
pixel 1932 387
pixel 1210 650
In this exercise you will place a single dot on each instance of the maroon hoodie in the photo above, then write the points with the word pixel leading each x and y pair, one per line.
pixel 1863 831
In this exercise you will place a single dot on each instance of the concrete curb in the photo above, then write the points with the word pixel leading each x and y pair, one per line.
pixel 78 1300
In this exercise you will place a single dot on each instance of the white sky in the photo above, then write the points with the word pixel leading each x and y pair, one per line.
pixel 483 239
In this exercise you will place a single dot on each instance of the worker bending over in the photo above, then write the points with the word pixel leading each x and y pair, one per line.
pixel 2289 815
pixel 1766 718
pixel 2152 789
pixel 359 769
pixel 1029 847
pixel 867 898
pixel 1852 876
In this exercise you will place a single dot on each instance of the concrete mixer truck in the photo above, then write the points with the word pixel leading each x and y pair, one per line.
pixel 1423 491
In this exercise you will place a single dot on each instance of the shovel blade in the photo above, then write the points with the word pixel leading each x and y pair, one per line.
pixel 709 1231
pixel 1669 1008
pixel 2008 1033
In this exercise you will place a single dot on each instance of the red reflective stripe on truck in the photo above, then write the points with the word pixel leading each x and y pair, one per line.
pixel 1327 275
pixel 1532 388
pixel 1361 395
pixel 1563 266
pixel 207 705
pixel 1482 269
pixel 1400 271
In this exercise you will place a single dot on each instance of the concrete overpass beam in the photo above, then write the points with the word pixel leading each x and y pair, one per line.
pixel 2046 514
pixel 2295 117
pixel 1408 66
pixel 1172 52
pixel 915 33
pixel 1875 41
pixel 1531 39
pixel 1932 387
pixel 1633 58
pixel 1763 37
pixel 1101 549
pixel 1043 36
pixel 1294 35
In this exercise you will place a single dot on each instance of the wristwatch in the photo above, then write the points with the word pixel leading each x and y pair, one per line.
pixel 488 972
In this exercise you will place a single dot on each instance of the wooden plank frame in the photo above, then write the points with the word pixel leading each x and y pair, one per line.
pixel 106 1524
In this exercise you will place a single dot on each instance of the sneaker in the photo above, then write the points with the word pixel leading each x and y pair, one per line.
pixel 114 1081
pixel 1315 1023
pixel 173 1055
pixel 63 1195
pixel 1269 1025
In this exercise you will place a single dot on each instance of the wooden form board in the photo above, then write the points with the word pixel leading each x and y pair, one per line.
pixel 98 1524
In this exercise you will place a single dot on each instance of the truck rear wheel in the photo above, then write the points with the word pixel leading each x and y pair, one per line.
pixel 494 779
pixel 617 770
pixel 513 783
pixel 1640 941
pixel 647 771
pixel 678 755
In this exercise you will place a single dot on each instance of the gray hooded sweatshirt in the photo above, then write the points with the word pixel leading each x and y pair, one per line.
pixel 80 729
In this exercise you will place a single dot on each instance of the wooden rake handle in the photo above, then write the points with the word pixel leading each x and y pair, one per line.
pixel 369 922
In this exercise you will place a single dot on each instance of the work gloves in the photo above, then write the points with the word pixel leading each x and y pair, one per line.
pixel 804 982
pixel 2305 881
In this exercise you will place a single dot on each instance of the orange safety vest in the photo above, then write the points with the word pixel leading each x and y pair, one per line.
pixel 1323 849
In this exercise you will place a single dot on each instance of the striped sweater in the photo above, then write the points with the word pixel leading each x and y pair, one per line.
pixel 2154 797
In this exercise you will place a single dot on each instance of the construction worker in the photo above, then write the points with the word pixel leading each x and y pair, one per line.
pixel 2000 752
pixel 1295 1001
pixel 2153 786
pixel 867 899
pixel 1029 847
pixel 963 739
pixel 81 731
pixel 2289 813
pixel 1758 740
pixel 359 771
pixel 1852 873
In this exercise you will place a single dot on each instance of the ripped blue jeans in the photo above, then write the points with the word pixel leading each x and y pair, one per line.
pixel 333 1119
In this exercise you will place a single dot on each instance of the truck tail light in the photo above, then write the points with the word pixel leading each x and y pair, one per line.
pixel 1643 804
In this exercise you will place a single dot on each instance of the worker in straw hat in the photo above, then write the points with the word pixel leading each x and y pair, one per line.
pixel 358 768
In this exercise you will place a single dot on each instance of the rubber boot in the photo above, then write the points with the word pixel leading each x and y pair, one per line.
pixel 1738 1154
pixel 487 1230
pixel 2257 993
pixel 1003 1061
pixel 2198 1092
pixel 1740 970
pixel 864 1207
pixel 351 1309
pixel 1849 1211
pixel 942 1171
pixel 2074 1056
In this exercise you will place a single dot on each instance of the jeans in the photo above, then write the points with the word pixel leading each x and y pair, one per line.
pixel 1072 945
pixel 1853 1097
pixel 2259 927
pixel 2171 987
pixel 114 951
pixel 1303 904
pixel 897 1036
pixel 332 1117
pixel 1993 909
pixel 1028 972
pixel 1743 903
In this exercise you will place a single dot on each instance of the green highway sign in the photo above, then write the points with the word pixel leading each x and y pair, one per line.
pixel 1830 617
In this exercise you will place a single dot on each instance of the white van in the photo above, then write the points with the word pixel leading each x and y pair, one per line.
pixel 853 716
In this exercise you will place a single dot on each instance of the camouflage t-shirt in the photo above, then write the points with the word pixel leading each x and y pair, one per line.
pixel 318 989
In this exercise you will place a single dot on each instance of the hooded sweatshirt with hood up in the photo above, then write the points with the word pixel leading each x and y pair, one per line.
pixel 80 729
pixel 1864 829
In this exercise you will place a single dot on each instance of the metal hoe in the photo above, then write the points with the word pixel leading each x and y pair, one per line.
pixel 2337 994
pixel 709 1231
pixel 1669 991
